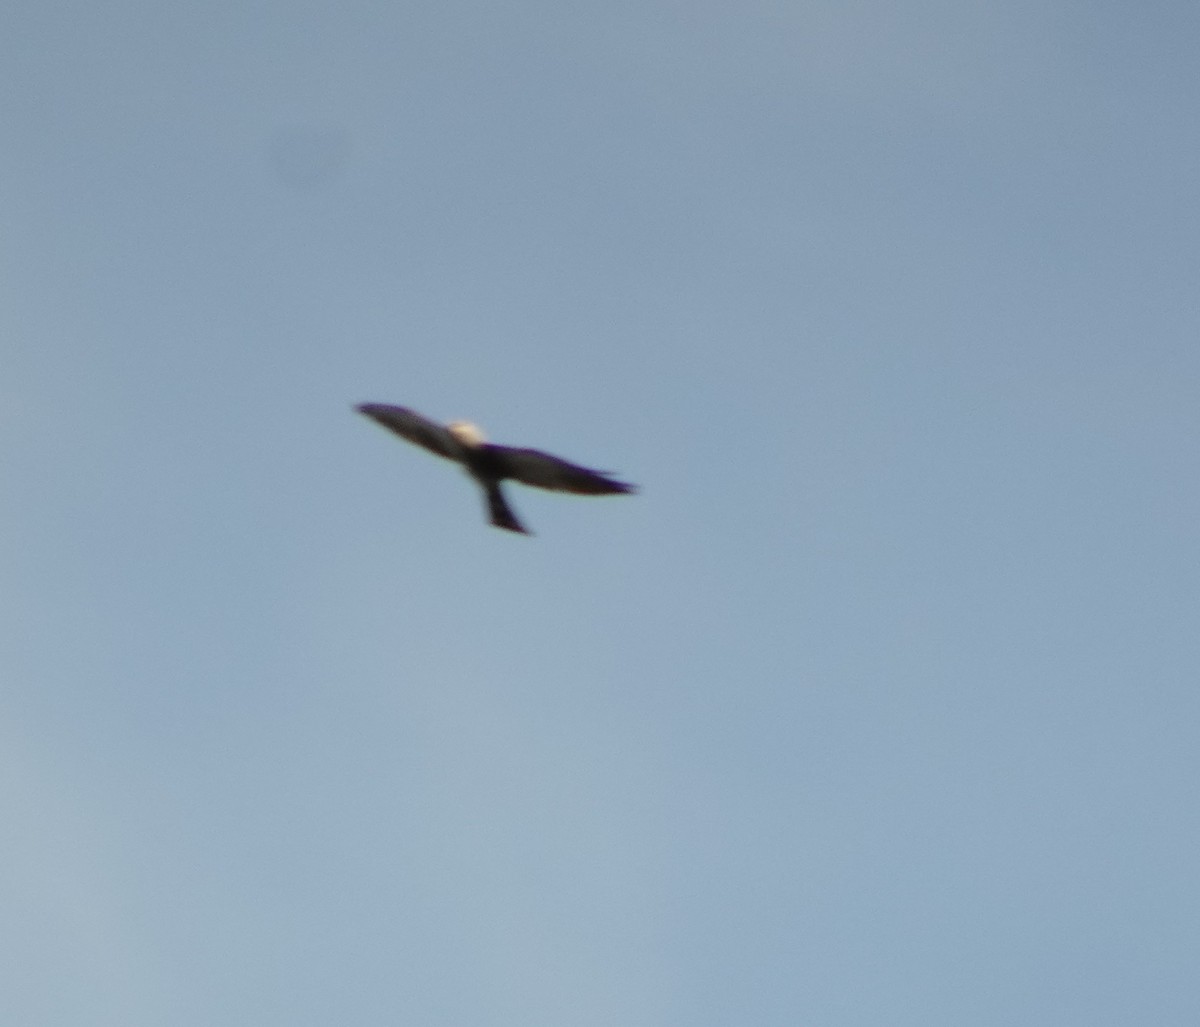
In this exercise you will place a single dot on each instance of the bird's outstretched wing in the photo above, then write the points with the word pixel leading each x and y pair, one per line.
pixel 414 427
pixel 533 467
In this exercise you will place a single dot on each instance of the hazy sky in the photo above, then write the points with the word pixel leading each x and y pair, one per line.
pixel 878 706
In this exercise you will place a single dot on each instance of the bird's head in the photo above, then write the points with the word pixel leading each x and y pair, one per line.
pixel 466 434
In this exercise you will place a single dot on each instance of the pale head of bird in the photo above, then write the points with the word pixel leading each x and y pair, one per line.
pixel 466 434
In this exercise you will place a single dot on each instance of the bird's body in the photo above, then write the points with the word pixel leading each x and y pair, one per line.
pixel 490 464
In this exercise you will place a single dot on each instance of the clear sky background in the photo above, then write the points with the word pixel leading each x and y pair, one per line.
pixel 878 706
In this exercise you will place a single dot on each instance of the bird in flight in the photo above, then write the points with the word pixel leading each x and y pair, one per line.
pixel 489 464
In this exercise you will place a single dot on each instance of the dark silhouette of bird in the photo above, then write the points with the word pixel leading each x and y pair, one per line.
pixel 490 464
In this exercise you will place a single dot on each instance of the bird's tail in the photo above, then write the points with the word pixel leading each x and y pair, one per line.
pixel 500 513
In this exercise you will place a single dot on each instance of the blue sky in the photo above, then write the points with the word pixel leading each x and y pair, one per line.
pixel 877 706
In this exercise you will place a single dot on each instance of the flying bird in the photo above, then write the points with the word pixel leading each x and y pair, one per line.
pixel 490 464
